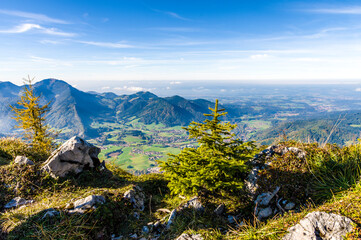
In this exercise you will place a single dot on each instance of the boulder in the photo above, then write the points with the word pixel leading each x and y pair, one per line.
pixel 22 160
pixel 186 236
pixel 320 225
pixel 74 155
pixel 136 197
pixel 17 202
pixel 85 204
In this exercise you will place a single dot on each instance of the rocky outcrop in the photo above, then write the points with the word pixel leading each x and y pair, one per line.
pixel 321 226
pixel 74 155
pixel 17 202
pixel 136 196
pixel 22 160
pixel 268 204
pixel 86 204
pixel 264 159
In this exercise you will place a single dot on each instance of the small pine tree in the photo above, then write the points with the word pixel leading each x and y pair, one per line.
pixel 30 117
pixel 217 165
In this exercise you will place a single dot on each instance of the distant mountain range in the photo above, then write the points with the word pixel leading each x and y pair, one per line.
pixel 74 111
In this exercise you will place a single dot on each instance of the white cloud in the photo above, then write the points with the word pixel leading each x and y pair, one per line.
pixel 33 16
pixel 105 88
pixel 358 89
pixel 260 56
pixel 107 44
pixel 131 89
pixel 345 10
pixel 25 27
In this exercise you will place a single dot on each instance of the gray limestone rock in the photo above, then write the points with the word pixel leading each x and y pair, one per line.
pixel 84 204
pixel 265 198
pixel 320 226
pixel 73 156
pixel 194 203
pixel 264 213
pixel 17 202
pixel 186 236
pixel 22 160
pixel 136 197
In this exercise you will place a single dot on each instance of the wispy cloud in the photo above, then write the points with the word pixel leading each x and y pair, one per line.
pixel 176 29
pixel 172 14
pixel 107 44
pixel 342 10
pixel 260 56
pixel 25 27
pixel 33 16
pixel 51 61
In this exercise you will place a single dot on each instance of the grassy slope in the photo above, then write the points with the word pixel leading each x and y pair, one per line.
pixel 115 217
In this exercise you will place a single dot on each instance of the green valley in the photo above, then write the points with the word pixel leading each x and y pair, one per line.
pixel 135 146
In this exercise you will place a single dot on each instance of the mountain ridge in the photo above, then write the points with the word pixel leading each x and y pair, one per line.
pixel 74 110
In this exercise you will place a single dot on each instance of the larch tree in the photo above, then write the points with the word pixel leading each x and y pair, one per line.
pixel 30 117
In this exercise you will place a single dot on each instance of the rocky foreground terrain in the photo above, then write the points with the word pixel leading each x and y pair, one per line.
pixel 293 191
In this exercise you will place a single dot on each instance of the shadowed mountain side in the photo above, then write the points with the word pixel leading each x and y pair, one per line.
pixel 74 111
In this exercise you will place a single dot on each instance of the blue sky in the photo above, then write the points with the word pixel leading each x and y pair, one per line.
pixel 246 41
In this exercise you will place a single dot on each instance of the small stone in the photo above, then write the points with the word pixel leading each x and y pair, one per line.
pixel 289 206
pixel 265 198
pixel 264 212
pixel 50 213
pixel 194 203
pixel 84 204
pixel 22 160
pixel 17 202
